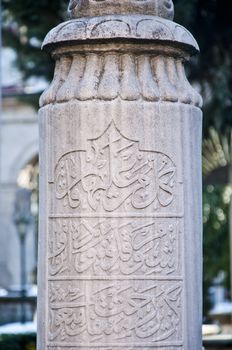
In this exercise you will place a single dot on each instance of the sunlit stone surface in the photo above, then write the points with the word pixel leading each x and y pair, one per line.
pixel 120 187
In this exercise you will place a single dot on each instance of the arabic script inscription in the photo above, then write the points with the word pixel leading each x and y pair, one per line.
pixel 114 173
pixel 106 247
pixel 114 271
pixel 114 312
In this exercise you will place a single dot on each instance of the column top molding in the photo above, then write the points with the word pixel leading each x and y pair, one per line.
pixel 144 29
pixel 91 8
pixel 108 21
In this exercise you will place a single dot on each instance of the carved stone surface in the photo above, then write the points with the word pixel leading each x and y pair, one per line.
pixel 83 8
pixel 115 313
pixel 135 27
pixel 136 247
pixel 113 173
pixel 154 79
pixel 120 208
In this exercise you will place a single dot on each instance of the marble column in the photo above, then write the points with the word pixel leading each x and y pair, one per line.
pixel 120 182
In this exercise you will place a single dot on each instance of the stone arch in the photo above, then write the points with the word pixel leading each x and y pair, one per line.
pixel 24 156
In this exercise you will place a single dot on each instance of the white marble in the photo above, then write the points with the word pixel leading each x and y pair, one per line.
pixel 120 186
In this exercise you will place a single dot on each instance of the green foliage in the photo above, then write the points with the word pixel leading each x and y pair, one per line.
pixel 18 341
pixel 216 201
pixel 210 23
pixel 26 23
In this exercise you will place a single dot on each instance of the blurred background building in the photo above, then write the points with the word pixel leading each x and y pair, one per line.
pixel 18 169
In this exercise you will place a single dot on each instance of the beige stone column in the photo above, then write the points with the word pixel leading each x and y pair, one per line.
pixel 120 183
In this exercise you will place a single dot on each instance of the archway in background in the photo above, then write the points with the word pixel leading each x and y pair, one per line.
pixel 29 178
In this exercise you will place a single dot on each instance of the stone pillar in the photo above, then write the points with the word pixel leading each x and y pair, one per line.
pixel 120 186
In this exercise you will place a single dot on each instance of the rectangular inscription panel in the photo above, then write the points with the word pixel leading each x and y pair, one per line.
pixel 123 247
pixel 112 175
pixel 115 233
pixel 115 312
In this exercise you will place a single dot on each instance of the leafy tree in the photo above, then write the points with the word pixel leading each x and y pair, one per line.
pixel 216 253
pixel 18 341
pixel 217 167
pixel 210 23
pixel 26 23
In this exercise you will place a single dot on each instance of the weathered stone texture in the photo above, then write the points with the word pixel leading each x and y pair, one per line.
pixel 120 234
pixel 82 8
